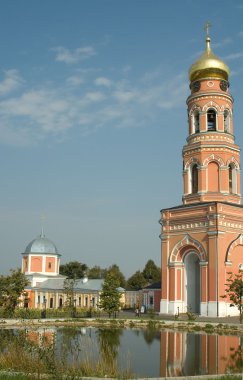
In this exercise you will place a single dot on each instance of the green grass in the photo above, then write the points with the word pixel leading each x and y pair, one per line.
pixel 225 377
pixel 26 377
pixel 14 377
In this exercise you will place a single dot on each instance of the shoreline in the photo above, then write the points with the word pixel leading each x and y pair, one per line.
pixel 158 324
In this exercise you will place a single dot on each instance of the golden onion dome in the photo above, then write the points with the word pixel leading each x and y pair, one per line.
pixel 208 66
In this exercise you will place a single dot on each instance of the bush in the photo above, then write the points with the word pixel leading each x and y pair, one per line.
pixel 191 316
pixel 208 327
pixel 27 313
pixel 197 328
pixel 151 313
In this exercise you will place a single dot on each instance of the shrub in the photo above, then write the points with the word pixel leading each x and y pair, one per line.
pixel 27 313
pixel 191 316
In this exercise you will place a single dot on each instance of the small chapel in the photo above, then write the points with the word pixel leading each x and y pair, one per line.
pixel 202 239
pixel 46 289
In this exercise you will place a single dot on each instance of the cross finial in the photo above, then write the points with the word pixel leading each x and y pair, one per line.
pixel 43 217
pixel 206 27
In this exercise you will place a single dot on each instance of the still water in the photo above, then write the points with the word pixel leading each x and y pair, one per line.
pixel 147 353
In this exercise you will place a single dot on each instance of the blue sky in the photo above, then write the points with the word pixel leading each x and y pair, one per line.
pixel 93 120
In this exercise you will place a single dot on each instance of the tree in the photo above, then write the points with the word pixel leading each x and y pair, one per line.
pixel 136 281
pixel 234 291
pixel 115 271
pixel 73 269
pixel 110 295
pixel 11 290
pixel 151 272
pixel 96 272
pixel 69 289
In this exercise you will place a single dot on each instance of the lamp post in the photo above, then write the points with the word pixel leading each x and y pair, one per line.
pixel 26 300
pixel 90 307
pixel 43 314
pixel 74 307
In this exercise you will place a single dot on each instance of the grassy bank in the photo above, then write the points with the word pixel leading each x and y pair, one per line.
pixel 25 377
pixel 143 323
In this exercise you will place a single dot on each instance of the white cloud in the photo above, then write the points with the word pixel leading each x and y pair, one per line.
pixel 102 81
pixel 36 111
pixel 224 42
pixel 237 72
pixel 11 82
pixel 167 94
pixel 124 96
pixel 67 56
pixel 75 80
pixel 52 111
pixel 233 56
pixel 91 98
pixel 240 34
pixel 126 69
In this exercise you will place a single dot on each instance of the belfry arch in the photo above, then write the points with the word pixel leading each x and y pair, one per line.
pixel 185 244
pixel 185 263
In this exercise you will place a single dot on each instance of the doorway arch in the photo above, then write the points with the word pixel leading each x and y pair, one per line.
pixel 192 282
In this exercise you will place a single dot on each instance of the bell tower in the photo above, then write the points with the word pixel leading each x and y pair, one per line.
pixel 211 159
pixel 202 239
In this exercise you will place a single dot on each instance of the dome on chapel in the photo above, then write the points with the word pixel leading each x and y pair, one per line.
pixel 41 245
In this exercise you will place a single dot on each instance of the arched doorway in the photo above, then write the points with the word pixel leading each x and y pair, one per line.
pixel 192 282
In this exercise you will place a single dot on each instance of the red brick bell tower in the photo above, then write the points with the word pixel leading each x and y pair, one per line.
pixel 203 238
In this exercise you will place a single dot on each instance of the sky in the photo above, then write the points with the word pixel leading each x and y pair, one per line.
pixel 93 119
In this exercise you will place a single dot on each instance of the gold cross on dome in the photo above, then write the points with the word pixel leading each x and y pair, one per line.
pixel 206 27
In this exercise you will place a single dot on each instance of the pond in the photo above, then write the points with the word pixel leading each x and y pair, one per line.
pixel 143 352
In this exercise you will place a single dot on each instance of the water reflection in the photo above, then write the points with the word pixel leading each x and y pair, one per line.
pixel 109 344
pixel 185 354
pixel 147 353
pixel 150 335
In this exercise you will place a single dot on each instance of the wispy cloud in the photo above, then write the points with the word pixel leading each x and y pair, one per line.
pixel 75 80
pixel 11 82
pixel 236 72
pixel 240 34
pixel 102 81
pixel 125 96
pixel 83 103
pixel 167 94
pixel 233 56
pixel 70 57
pixel 42 108
pixel 92 97
pixel 222 43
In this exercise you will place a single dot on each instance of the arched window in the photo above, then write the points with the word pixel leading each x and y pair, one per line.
pixel 196 122
pixel 211 120
pixel 232 179
pixel 194 179
pixel 226 121
pixel 213 176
